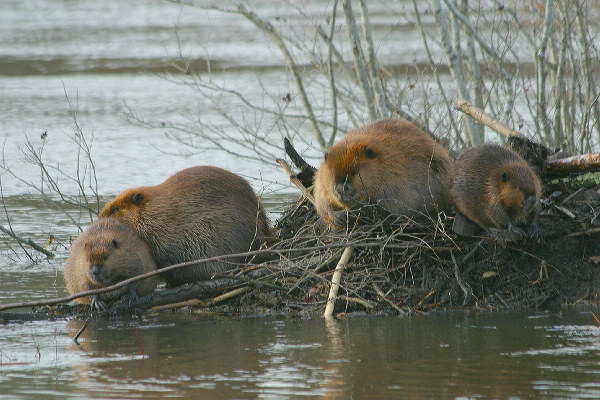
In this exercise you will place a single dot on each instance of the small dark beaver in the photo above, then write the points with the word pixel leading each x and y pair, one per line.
pixel 496 188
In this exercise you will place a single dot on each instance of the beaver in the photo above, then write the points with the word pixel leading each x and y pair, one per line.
pixel 106 253
pixel 197 213
pixel 496 188
pixel 392 163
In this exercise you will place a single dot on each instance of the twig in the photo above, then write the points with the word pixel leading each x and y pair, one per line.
pixel 468 292
pixel 374 75
pixel 455 63
pixel 481 116
pixel 296 181
pixel 80 331
pixel 581 233
pixel 362 302
pixel 266 27
pixel 359 60
pixel 28 242
pixel 335 281
pixel 384 298
pixel 183 265
pixel 196 302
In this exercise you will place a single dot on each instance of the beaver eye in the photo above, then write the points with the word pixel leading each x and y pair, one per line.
pixel 369 153
pixel 325 156
pixel 137 199
pixel 115 243
pixel 504 177
pixel 114 210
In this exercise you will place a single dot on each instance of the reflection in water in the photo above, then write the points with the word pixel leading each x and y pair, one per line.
pixel 434 356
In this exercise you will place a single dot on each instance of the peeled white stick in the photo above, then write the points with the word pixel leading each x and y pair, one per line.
pixel 335 281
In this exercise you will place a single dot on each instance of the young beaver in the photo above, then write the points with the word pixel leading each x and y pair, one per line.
pixel 496 188
pixel 390 162
pixel 106 253
pixel 197 213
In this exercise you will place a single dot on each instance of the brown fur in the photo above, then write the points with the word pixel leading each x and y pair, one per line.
pixel 106 253
pixel 496 188
pixel 197 213
pixel 390 162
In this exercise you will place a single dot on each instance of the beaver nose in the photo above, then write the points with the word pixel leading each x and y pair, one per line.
pixel 96 270
pixel 344 190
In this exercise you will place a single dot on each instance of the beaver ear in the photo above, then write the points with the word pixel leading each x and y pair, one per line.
pixel 504 176
pixel 369 153
pixel 137 199
pixel 115 243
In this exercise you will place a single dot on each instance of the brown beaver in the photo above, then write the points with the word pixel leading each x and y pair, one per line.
pixel 390 162
pixel 197 213
pixel 496 188
pixel 106 253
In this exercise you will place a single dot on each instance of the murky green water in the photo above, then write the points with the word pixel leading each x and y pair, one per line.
pixel 102 55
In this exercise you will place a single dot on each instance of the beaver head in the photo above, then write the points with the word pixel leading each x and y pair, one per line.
pixel 519 191
pixel 105 267
pixel 127 207
pixel 351 172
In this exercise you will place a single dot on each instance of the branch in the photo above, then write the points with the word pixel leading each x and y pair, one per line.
pixel 335 281
pixel 359 62
pixel 266 27
pixel 481 116
pixel 28 242
pixel 575 164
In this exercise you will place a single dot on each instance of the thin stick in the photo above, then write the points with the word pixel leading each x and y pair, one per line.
pixel 384 298
pixel 335 281
pixel 76 338
pixel 196 302
pixel 28 242
pixel 481 116
pixel 296 181
pixel 468 292
pixel 266 27
pixel 177 266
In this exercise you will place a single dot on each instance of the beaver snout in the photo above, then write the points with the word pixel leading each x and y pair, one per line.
pixel 345 192
pixel 98 272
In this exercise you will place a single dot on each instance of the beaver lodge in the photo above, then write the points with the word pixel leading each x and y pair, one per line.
pixel 400 266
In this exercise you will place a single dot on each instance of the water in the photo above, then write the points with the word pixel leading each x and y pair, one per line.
pixel 91 60
pixel 207 357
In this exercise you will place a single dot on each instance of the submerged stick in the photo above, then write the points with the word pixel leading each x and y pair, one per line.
pixel 205 303
pixel 481 116
pixel 335 281
pixel 28 242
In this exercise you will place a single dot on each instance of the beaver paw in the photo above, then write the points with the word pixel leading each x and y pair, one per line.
pixel 515 229
pixel 535 232
pixel 98 304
